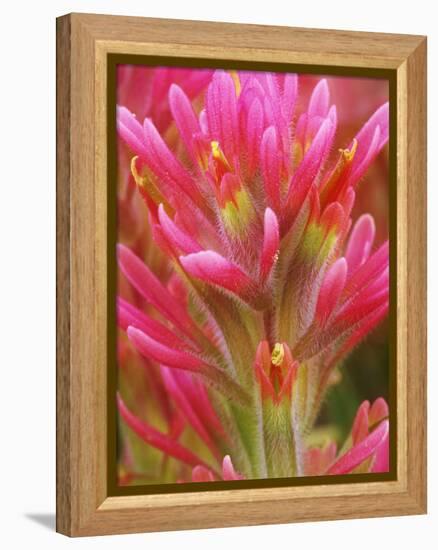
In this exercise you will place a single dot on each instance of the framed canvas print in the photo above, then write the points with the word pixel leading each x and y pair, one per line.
pixel 241 319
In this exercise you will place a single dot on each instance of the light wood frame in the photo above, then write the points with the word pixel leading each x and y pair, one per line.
pixel 83 506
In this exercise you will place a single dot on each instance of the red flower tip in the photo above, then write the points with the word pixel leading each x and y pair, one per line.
pixel 271 244
pixel 275 371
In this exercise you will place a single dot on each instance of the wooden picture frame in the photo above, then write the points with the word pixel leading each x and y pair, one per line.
pixel 83 45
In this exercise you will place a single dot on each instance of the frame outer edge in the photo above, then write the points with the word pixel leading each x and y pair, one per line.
pixel 63 177
pixel 417 275
pixel 77 512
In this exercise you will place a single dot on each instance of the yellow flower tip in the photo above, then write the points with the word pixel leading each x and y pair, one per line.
pixel 219 156
pixel 236 80
pixel 215 149
pixel 277 355
pixel 348 154
pixel 138 179
pixel 217 152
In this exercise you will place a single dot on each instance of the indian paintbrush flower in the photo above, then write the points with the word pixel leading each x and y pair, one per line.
pixel 268 286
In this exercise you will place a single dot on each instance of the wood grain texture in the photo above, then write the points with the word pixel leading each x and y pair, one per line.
pixel 83 43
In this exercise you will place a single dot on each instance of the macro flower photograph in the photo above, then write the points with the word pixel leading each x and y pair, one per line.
pixel 252 275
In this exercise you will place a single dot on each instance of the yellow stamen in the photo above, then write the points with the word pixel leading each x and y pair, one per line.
pixel 348 154
pixel 277 354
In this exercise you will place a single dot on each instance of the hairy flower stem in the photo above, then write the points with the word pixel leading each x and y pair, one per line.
pixel 251 431
pixel 268 317
pixel 281 451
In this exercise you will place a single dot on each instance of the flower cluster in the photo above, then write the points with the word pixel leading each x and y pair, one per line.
pixel 264 284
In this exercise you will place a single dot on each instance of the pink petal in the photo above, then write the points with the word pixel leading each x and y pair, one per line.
pixel 330 291
pixel 309 167
pixel 165 165
pixel 175 235
pixel 221 109
pixel 184 116
pixel 271 162
pixel 254 132
pixel 379 411
pixel 290 93
pixel 360 307
pixel 130 130
pixel 373 267
pixel 128 315
pixel 360 452
pixel 317 460
pixel 366 326
pixel 360 427
pixel 333 218
pixel 202 474
pixel 157 439
pixel 213 268
pixel 271 244
pixel 360 242
pixel 147 284
pixel 262 366
pixel 273 98
pixel 197 393
pixel 169 356
pixel 186 408
pixel 381 459
pixel 319 100
pixel 228 471
pixel 370 141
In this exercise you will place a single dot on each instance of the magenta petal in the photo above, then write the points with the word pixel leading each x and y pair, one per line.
pixel 169 356
pixel 330 291
pixel 270 160
pixel 221 109
pixel 360 242
pixel 360 452
pixel 147 284
pixel 157 439
pixel 271 244
pixel 175 235
pixel 213 268
pixel 185 117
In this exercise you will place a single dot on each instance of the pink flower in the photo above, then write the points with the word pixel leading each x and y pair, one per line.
pixel 271 284
pixel 368 449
